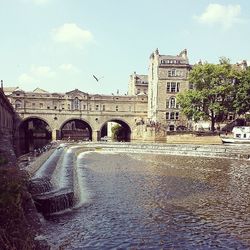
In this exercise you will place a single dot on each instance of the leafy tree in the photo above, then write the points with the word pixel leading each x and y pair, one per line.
pixel 118 132
pixel 241 102
pixel 213 96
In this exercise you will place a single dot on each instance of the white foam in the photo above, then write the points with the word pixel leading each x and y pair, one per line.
pixel 84 192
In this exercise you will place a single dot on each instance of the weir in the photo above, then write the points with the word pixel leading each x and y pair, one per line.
pixel 52 186
pixel 59 184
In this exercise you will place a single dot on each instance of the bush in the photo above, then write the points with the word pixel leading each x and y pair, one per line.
pixel 15 230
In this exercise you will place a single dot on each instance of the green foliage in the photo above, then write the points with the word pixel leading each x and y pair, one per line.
pixel 218 90
pixel 15 232
pixel 118 132
pixel 242 93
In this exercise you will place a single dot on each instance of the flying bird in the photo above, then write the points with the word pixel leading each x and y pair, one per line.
pixel 97 79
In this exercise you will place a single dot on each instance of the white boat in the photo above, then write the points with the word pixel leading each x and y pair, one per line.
pixel 241 135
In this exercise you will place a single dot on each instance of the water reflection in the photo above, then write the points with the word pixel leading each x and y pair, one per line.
pixel 158 202
pixel 24 146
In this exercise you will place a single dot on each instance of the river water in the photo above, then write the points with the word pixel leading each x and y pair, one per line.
pixel 141 201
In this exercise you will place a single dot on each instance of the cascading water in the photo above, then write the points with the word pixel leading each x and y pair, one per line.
pixel 41 181
pixel 83 193
pixel 58 184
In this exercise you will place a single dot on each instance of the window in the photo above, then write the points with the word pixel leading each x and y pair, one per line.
pixel 116 108
pixel 41 105
pixel 167 115
pixel 173 87
pixel 168 86
pixel 191 85
pixel 33 104
pixel 172 115
pixel 129 108
pixel 18 104
pixel 171 127
pixel 172 103
pixel 68 106
pixel 76 103
pixel 177 116
pixel 96 107
pixel 84 106
pixel 178 87
pixel 103 107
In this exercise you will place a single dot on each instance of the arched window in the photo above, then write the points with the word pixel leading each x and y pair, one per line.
pixel 172 103
pixel 18 104
pixel 76 103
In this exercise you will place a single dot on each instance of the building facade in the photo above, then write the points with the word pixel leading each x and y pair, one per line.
pixel 168 76
pixel 8 120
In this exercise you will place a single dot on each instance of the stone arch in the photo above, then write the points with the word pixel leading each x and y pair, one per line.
pixel 125 133
pixel 34 133
pixel 76 129
pixel 35 117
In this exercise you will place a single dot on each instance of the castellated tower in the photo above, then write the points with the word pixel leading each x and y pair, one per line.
pixel 168 75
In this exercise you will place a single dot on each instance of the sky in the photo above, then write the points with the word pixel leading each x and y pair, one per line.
pixel 58 45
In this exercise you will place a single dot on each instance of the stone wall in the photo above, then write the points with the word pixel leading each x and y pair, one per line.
pixel 7 129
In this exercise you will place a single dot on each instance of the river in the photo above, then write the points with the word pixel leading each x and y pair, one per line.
pixel 141 201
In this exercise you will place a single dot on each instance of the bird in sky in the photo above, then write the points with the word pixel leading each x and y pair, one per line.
pixel 97 79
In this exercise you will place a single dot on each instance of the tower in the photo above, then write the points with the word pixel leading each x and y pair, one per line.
pixel 168 75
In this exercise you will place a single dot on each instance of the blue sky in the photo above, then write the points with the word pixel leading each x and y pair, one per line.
pixel 58 45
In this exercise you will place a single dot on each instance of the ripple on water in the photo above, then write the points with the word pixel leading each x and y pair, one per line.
pixel 158 202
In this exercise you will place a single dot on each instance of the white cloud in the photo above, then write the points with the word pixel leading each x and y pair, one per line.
pixel 26 79
pixel 42 72
pixel 69 68
pixel 71 33
pixel 225 15
pixel 36 74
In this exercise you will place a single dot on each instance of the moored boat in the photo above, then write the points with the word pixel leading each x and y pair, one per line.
pixel 241 135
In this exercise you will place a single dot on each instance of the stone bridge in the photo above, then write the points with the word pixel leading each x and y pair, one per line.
pixel 94 120
pixel 94 111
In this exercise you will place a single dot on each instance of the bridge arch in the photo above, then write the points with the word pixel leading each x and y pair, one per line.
pixel 123 132
pixel 35 117
pixel 76 129
pixel 34 132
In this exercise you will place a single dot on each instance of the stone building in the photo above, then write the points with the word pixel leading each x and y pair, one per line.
pixel 168 76
pixel 8 119
pixel 148 111
pixel 138 84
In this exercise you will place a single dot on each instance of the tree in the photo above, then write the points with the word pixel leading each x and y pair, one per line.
pixel 118 132
pixel 241 102
pixel 213 96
